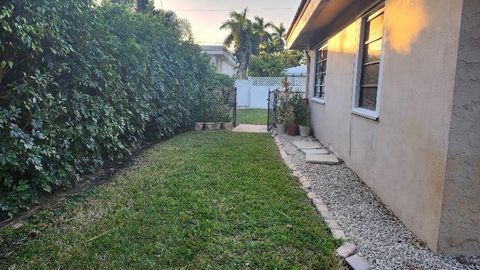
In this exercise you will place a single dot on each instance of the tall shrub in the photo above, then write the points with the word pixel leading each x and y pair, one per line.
pixel 81 84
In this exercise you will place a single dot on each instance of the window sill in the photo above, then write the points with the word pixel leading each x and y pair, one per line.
pixel 318 100
pixel 372 115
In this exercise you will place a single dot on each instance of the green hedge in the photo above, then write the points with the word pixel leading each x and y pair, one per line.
pixel 81 84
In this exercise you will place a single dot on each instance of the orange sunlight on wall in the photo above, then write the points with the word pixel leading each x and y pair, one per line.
pixel 346 41
pixel 406 19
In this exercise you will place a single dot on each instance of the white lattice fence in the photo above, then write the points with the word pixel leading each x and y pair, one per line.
pixel 296 82
pixel 253 93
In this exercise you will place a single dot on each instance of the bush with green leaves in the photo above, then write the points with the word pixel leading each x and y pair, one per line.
pixel 81 84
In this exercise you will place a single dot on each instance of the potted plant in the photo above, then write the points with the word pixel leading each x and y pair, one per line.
pixel 210 125
pixel 199 126
pixel 289 121
pixel 279 121
pixel 283 104
pixel 305 121
pixel 217 125
pixel 227 125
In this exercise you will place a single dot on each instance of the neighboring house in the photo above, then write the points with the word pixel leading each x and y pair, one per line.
pixel 395 92
pixel 300 71
pixel 222 59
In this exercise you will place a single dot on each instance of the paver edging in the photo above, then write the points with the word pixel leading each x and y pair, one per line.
pixel 347 250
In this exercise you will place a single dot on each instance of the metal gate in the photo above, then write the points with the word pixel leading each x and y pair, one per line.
pixel 273 97
pixel 272 107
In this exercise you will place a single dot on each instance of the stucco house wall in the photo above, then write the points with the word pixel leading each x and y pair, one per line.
pixel 402 156
pixel 221 58
pixel 222 65
pixel 460 223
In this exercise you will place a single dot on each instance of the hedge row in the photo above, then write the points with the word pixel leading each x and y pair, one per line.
pixel 81 84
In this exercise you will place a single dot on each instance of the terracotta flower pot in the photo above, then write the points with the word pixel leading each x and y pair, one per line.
pixel 199 126
pixel 292 130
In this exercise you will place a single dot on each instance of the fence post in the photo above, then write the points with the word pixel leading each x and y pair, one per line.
pixel 275 100
pixel 268 110
pixel 235 108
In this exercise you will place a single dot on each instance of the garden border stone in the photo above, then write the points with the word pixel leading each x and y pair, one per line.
pixel 347 249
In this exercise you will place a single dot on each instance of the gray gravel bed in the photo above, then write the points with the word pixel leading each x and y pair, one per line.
pixel 381 238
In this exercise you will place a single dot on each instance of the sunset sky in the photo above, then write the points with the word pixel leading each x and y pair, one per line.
pixel 206 16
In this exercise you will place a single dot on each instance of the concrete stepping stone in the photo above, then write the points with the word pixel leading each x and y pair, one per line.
pixel 358 263
pixel 306 145
pixel 322 159
pixel 307 151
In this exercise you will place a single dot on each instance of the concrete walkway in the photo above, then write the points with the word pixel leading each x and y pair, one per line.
pixel 251 128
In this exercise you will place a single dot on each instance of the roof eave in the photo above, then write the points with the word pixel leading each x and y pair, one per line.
pixel 316 20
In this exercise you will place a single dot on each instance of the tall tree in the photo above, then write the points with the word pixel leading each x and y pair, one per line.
pixel 278 38
pixel 261 34
pixel 240 36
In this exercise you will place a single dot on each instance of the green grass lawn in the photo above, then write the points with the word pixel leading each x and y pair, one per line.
pixel 202 200
pixel 252 116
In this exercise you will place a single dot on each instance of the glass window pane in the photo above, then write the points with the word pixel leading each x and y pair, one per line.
pixel 324 67
pixel 320 69
pixel 370 74
pixel 317 91
pixel 368 98
pixel 373 51
pixel 374 28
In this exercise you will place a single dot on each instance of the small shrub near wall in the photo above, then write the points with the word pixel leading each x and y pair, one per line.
pixel 82 84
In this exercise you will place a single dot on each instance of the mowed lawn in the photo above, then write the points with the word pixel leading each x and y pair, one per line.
pixel 252 116
pixel 202 200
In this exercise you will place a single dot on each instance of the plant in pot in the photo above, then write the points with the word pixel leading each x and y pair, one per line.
pixel 227 122
pixel 304 121
pixel 283 106
pixel 200 122
pixel 210 125
pixel 199 126
pixel 280 113
pixel 289 121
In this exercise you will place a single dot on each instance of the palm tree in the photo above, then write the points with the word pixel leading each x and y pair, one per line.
pixel 278 36
pixel 241 36
pixel 262 36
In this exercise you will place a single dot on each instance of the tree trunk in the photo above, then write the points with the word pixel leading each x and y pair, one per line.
pixel 142 5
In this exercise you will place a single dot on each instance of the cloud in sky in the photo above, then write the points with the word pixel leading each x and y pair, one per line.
pixel 206 16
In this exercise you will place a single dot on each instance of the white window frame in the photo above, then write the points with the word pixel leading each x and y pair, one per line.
pixel 313 98
pixel 374 115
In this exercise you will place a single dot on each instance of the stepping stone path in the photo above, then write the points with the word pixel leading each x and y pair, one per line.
pixel 357 263
pixel 307 145
pixel 315 153
pixel 322 159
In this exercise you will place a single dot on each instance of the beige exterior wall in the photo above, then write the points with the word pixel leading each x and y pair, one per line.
pixel 222 65
pixel 460 224
pixel 403 155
